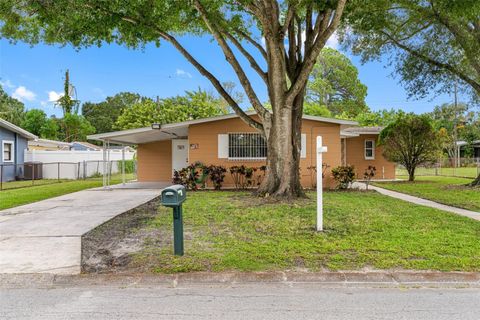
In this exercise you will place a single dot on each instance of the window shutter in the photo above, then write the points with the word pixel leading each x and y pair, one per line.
pixel 223 146
pixel 303 146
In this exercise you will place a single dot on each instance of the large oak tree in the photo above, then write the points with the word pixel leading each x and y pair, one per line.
pixel 294 32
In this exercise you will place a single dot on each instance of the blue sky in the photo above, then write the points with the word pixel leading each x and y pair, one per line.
pixel 35 74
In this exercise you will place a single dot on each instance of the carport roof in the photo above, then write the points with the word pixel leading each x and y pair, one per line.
pixel 180 129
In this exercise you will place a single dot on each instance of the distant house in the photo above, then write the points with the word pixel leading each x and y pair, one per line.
pixel 85 146
pixel 13 143
pixel 462 146
pixel 48 145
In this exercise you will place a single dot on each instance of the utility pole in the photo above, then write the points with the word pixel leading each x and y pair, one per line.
pixel 455 125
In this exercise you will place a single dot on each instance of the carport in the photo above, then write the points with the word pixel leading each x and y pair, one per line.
pixel 134 137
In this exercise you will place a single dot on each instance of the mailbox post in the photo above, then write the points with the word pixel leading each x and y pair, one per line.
pixel 173 197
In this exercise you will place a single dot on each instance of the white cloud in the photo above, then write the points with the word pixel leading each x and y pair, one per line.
pixel 22 93
pixel 7 84
pixel 333 41
pixel 53 96
pixel 183 74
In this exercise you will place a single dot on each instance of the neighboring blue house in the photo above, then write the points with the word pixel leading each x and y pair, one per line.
pixel 13 143
pixel 84 146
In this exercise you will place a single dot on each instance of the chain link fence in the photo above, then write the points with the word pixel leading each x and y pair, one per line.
pixel 13 176
pixel 462 168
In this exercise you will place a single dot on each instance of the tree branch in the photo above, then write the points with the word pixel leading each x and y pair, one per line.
pixel 435 63
pixel 319 43
pixel 253 42
pixel 229 55
pixel 250 58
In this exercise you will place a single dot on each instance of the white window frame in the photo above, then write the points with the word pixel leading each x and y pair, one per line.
pixel 242 158
pixel 12 151
pixel 365 149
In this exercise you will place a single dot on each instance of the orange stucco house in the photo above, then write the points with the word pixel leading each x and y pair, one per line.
pixel 226 140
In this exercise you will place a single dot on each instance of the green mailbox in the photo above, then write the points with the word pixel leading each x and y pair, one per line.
pixel 173 197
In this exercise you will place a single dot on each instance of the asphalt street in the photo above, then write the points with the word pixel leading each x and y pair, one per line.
pixel 248 301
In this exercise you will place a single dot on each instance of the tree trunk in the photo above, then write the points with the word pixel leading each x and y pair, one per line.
pixel 282 178
pixel 411 174
pixel 476 182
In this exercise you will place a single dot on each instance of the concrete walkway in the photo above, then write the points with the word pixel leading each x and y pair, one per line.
pixel 420 201
pixel 45 236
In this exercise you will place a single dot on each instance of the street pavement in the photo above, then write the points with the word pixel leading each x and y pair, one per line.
pixel 243 301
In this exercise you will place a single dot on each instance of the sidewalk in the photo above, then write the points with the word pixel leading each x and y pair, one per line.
pixel 419 201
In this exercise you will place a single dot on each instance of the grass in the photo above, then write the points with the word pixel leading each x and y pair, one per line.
pixel 463 172
pixel 28 183
pixel 16 197
pixel 236 231
pixel 447 190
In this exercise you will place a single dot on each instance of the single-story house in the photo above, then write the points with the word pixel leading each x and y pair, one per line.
pixel 48 145
pixel 84 146
pixel 226 140
pixel 462 146
pixel 13 143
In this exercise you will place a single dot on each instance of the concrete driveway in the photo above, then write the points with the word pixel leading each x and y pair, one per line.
pixel 45 236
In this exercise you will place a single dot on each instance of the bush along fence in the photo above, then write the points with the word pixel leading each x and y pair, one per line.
pixel 450 167
pixel 13 176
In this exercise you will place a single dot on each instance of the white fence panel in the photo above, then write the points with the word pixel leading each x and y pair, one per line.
pixel 66 164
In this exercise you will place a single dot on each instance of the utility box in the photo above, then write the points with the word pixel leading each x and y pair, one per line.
pixel 33 170
pixel 173 197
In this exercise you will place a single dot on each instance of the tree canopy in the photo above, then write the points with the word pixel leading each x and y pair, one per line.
pixel 334 83
pixel 104 114
pixel 11 109
pixel 193 105
pixel 432 42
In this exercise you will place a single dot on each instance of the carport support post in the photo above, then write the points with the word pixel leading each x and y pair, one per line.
pixel 123 164
pixel 320 150
pixel 104 179
pixel 178 230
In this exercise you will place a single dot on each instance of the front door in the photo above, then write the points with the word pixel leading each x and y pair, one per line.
pixel 179 153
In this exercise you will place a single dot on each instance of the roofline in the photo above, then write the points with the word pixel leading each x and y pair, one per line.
pixel 52 141
pixel 105 136
pixel 16 129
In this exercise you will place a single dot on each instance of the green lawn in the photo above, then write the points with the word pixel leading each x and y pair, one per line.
pixel 16 197
pixel 446 190
pixel 236 231
pixel 464 172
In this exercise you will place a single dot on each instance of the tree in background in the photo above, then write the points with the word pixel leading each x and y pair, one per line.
pixel 36 122
pixel 294 33
pixel 103 115
pixel 411 141
pixel 378 118
pixel 193 105
pixel 453 121
pixel 316 109
pixel 334 84
pixel 11 109
pixel 76 128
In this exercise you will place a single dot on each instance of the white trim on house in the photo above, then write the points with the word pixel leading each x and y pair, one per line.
pixel 365 149
pixel 12 151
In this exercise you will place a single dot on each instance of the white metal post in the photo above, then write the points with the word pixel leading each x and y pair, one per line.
pixel 320 150
pixel 123 164
pixel 104 179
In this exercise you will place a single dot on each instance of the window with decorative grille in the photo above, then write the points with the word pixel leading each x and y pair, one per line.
pixel 246 146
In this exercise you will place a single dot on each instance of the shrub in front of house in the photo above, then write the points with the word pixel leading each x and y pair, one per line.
pixel 344 176
pixel 217 175
pixel 192 177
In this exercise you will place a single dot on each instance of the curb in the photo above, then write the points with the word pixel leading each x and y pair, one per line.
pixel 333 279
